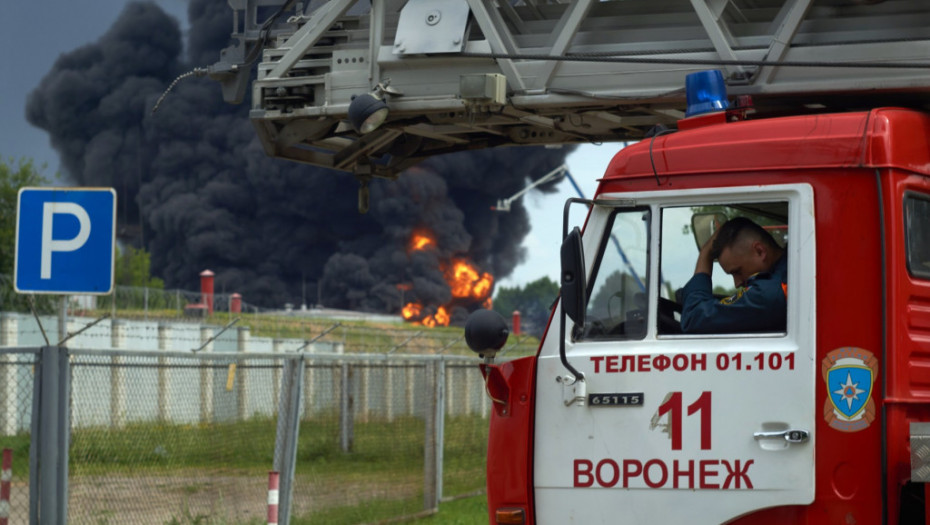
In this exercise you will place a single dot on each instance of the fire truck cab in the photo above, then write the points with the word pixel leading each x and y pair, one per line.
pixel 622 417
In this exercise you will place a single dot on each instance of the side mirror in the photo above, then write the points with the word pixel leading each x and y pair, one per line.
pixel 486 332
pixel 703 225
pixel 574 287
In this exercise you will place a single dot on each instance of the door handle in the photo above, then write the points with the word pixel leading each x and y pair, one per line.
pixel 791 435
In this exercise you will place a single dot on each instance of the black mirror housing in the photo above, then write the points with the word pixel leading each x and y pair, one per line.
pixel 573 283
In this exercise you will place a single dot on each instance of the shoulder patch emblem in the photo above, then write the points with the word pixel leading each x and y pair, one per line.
pixel 733 298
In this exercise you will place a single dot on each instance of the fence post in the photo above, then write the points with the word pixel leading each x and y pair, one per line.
pixel 388 375
pixel 429 445
pixel 164 391
pixel 432 450
pixel 117 382
pixel 309 386
pixel 9 329
pixel 51 412
pixel 442 391
pixel 242 372
pixel 276 371
pixel 364 392
pixel 410 379
pixel 34 430
pixel 346 408
pixel 6 479
pixel 206 378
pixel 273 497
pixel 449 377
pixel 467 386
pixel 9 387
pixel 288 430
pixel 62 317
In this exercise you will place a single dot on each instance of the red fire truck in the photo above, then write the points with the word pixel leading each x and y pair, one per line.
pixel 619 418
pixel 622 418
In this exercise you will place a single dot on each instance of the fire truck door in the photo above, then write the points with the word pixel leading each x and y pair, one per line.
pixel 677 427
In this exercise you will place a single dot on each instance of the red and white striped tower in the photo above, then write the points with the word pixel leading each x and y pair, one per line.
pixel 6 476
pixel 272 498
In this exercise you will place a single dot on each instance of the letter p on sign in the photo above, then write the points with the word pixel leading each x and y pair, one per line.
pixel 65 240
pixel 49 244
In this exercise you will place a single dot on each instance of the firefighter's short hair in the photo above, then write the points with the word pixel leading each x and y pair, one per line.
pixel 739 227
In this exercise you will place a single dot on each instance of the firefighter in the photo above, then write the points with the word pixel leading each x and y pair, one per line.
pixel 759 267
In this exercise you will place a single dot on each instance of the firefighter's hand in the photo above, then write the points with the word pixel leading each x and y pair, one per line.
pixel 705 262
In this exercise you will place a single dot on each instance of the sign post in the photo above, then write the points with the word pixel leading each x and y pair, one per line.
pixel 65 244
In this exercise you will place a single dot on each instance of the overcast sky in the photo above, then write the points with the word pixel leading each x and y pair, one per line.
pixel 36 33
pixel 33 37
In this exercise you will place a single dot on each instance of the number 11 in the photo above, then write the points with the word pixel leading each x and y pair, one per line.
pixel 673 405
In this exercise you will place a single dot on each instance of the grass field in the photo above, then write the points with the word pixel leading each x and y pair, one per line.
pixel 152 473
pixel 466 511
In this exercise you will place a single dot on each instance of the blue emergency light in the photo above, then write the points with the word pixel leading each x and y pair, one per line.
pixel 706 92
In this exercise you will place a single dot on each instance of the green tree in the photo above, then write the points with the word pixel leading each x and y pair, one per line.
pixel 135 286
pixel 134 268
pixel 533 301
pixel 15 174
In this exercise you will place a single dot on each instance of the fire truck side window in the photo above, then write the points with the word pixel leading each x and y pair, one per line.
pixel 683 231
pixel 917 234
pixel 617 300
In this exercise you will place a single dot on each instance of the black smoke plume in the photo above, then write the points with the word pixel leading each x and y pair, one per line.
pixel 197 191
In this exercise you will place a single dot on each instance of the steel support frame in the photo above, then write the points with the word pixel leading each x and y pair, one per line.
pixel 561 38
pixel 308 35
pixel 500 40
pixel 787 24
pixel 710 12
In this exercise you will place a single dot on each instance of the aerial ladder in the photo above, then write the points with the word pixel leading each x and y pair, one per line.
pixel 372 88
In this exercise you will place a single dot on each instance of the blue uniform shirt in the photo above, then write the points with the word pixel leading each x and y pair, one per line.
pixel 761 306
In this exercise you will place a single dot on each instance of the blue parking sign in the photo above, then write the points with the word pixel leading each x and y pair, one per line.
pixel 65 240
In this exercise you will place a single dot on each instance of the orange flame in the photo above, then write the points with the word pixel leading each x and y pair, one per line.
pixel 411 310
pixel 440 318
pixel 469 287
pixel 420 241
pixel 465 281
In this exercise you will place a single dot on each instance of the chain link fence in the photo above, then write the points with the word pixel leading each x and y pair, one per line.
pixel 378 464
pixel 170 439
pixel 16 394
pixel 166 437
